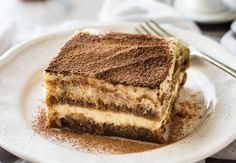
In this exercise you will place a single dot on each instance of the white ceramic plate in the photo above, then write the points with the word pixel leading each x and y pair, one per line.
pixel 21 71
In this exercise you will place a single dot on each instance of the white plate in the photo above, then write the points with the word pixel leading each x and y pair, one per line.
pixel 226 15
pixel 21 71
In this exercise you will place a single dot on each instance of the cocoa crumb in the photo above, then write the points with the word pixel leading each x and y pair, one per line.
pixel 89 143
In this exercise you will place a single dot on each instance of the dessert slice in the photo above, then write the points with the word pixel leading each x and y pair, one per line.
pixel 115 84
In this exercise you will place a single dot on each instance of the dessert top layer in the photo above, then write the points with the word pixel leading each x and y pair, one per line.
pixel 118 58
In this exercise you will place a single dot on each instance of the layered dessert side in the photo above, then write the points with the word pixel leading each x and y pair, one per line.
pixel 115 84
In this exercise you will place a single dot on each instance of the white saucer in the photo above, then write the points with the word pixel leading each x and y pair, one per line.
pixel 225 15
pixel 21 70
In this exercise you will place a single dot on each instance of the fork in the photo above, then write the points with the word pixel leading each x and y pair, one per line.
pixel 151 27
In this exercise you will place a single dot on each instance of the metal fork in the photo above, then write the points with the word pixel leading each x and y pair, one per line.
pixel 151 27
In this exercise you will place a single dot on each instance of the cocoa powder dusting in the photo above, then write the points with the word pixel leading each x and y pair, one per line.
pixel 118 58
pixel 187 115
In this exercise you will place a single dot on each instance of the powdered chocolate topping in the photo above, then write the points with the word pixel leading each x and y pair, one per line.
pixel 129 59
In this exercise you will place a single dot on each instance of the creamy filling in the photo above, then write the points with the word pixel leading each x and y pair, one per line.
pixel 123 119
pixel 118 98
pixel 97 89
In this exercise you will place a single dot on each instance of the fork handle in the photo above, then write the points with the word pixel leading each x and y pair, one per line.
pixel 215 62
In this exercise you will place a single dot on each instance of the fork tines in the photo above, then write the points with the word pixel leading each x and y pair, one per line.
pixel 151 27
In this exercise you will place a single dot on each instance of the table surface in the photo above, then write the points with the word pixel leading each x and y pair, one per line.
pixel 215 31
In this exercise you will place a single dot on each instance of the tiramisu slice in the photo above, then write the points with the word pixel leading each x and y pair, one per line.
pixel 115 84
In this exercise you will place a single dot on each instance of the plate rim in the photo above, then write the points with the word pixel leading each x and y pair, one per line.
pixel 14 51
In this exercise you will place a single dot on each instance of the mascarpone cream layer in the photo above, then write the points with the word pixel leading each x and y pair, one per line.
pixel 106 116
